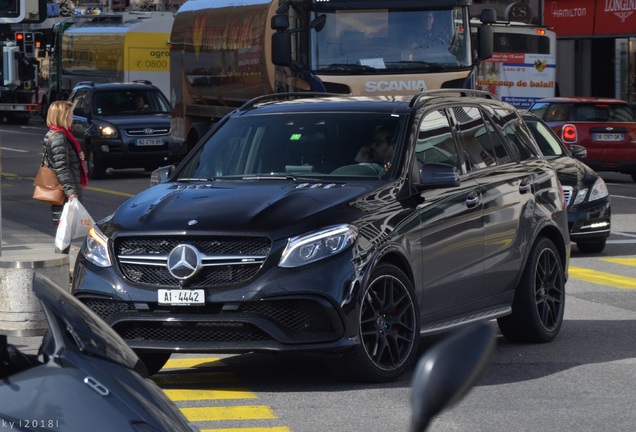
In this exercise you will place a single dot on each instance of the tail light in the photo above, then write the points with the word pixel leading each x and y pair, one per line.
pixel 568 133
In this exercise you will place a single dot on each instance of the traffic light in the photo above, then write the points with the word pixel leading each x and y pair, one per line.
pixel 25 41
pixel 12 11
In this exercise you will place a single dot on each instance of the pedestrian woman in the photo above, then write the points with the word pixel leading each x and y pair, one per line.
pixel 64 155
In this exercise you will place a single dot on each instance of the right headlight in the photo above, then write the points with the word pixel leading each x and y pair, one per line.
pixel 314 246
pixel 95 248
pixel 599 190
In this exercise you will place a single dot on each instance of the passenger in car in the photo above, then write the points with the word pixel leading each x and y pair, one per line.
pixel 380 150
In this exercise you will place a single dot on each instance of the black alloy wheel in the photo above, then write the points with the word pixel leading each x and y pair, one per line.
pixel 539 304
pixel 388 328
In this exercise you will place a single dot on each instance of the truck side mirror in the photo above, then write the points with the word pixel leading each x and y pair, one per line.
pixel 486 43
pixel 281 48
pixel 279 22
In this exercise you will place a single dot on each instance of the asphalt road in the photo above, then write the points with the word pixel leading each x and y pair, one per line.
pixel 583 381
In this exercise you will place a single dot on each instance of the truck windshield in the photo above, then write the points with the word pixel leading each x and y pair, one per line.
pixel 391 41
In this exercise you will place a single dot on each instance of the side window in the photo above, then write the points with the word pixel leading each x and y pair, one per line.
pixel 475 139
pixel 435 142
pixel 516 134
pixel 82 103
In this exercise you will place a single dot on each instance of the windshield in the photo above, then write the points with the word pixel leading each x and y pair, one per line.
pixel 130 102
pixel 389 41
pixel 309 145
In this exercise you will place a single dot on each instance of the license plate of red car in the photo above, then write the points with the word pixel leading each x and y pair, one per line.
pixel 606 136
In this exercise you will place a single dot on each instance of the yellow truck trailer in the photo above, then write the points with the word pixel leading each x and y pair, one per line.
pixel 110 48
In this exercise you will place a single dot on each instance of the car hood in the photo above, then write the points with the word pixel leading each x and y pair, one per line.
pixel 146 120
pixel 572 172
pixel 238 206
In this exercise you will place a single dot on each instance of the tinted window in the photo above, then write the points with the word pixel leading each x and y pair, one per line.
pixel 81 102
pixel 295 144
pixel 601 113
pixel 435 142
pixel 516 134
pixel 130 102
pixel 476 141
pixel 548 142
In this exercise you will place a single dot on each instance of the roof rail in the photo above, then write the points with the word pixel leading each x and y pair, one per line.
pixel 87 83
pixel 142 82
pixel 284 96
pixel 462 92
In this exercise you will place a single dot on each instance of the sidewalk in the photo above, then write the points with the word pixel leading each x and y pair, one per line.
pixel 19 240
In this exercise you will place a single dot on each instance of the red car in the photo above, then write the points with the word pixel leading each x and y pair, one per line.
pixel 605 127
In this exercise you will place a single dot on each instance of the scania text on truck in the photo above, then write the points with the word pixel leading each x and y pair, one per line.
pixel 107 48
pixel 225 52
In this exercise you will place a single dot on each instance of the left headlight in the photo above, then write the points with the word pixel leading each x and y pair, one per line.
pixel 95 248
pixel 317 245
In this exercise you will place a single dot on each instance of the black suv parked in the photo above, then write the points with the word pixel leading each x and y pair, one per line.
pixel 121 125
pixel 277 233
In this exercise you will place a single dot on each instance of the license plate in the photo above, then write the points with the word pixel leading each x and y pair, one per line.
pixel 149 142
pixel 608 137
pixel 181 297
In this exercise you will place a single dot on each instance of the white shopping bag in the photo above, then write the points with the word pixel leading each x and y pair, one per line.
pixel 75 222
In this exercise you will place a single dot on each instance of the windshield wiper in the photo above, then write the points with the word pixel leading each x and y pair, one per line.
pixel 347 67
pixel 194 179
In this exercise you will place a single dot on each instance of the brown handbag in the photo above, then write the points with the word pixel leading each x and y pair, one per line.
pixel 47 186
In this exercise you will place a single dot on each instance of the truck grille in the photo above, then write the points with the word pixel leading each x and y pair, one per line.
pixel 225 260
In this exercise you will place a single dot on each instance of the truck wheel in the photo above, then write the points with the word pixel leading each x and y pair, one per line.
pixel 389 329
pixel 539 303
pixel 95 169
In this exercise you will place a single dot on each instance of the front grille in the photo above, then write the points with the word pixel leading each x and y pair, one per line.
pixel 568 191
pixel 138 132
pixel 190 332
pixel 297 319
pixel 225 260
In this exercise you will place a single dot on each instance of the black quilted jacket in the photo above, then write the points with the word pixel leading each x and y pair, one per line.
pixel 62 158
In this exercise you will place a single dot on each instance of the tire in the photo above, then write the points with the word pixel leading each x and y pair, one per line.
pixel 95 169
pixel 539 303
pixel 591 247
pixel 388 328
pixel 153 361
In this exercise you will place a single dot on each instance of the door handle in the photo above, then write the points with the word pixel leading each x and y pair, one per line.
pixel 472 200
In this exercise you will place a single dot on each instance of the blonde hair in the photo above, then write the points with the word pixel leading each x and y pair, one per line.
pixel 59 114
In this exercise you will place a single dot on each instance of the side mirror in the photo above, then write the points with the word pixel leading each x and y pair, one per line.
pixel 279 22
pixel 578 151
pixel 448 371
pixel 161 175
pixel 486 43
pixel 438 175
pixel 281 48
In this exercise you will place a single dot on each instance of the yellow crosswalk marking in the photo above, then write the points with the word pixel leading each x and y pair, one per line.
pixel 228 413
pixel 256 429
pixel 183 363
pixel 208 394
pixel 602 278
pixel 198 378
pixel 624 261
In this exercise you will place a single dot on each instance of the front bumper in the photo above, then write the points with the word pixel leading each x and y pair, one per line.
pixel 304 309
pixel 590 221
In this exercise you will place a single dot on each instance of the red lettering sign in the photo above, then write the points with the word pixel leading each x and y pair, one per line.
pixel 591 17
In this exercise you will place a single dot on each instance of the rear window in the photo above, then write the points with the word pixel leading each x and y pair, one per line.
pixel 588 112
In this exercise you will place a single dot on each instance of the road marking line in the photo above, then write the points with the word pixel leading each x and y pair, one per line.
pixel 602 278
pixel 198 378
pixel 623 261
pixel 253 412
pixel 183 363
pixel 14 150
pixel 209 394
pixel 256 429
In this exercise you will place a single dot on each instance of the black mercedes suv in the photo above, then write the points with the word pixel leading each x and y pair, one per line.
pixel 284 231
pixel 121 125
